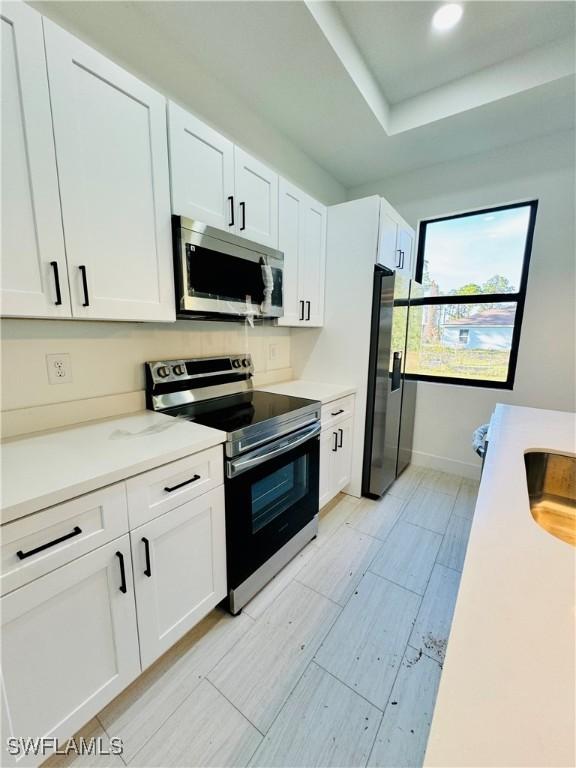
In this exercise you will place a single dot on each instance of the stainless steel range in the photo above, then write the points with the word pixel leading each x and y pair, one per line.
pixel 271 461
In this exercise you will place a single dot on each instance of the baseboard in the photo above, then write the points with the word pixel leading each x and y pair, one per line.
pixel 444 464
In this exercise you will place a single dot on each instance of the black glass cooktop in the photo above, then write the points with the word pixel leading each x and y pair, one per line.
pixel 235 412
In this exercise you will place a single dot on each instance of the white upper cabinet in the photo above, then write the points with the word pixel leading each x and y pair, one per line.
pixel 34 279
pixel 395 241
pixel 202 170
pixel 111 150
pixel 291 243
pixel 257 199
pixel 312 277
pixel 302 238
pixel 406 246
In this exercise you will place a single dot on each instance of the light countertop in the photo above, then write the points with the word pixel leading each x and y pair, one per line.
pixel 312 390
pixel 507 691
pixel 45 469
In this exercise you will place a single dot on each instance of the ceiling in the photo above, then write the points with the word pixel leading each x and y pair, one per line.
pixel 363 88
pixel 407 57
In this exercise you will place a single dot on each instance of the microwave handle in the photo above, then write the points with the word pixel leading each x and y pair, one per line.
pixel 237 466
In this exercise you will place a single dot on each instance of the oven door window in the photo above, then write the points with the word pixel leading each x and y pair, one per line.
pixel 273 494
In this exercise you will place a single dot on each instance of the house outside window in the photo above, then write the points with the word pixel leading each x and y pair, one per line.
pixel 473 268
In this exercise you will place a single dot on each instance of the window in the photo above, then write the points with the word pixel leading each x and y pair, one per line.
pixel 473 267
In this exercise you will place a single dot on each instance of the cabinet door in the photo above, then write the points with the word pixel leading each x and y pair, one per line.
pixel 201 170
pixel 69 643
pixel 388 247
pixel 291 226
pixel 406 247
pixel 313 263
pixel 328 450
pixel 343 456
pixel 179 571
pixel 112 155
pixel 34 277
pixel 257 197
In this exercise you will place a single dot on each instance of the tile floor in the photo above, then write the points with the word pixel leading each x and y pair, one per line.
pixel 335 663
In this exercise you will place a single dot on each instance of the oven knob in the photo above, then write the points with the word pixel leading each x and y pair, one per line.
pixel 246 362
pixel 178 370
pixel 236 363
pixel 163 371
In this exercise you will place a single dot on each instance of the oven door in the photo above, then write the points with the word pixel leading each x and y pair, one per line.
pixel 271 494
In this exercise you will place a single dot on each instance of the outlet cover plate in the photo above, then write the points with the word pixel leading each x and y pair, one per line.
pixel 59 368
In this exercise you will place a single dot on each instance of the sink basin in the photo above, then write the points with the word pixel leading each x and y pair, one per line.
pixel 551 481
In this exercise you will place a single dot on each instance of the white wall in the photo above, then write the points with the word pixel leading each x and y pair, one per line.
pixel 107 364
pixel 545 375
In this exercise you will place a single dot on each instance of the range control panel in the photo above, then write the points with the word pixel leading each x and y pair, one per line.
pixel 168 371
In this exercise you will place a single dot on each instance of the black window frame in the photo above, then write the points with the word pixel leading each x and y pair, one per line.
pixel 519 298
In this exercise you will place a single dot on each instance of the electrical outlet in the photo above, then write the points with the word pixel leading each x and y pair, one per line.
pixel 272 352
pixel 59 368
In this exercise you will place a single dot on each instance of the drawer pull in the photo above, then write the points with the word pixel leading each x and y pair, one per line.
pixel 148 569
pixel 23 555
pixel 181 485
pixel 337 413
pixel 122 587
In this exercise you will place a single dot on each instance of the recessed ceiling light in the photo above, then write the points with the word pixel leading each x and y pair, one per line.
pixel 447 16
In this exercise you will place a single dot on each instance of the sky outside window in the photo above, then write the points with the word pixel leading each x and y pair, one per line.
pixel 474 249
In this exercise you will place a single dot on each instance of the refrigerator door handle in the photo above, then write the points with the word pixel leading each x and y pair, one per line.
pixel 396 371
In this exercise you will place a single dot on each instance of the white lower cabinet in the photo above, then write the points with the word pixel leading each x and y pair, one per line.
pixel 335 459
pixel 69 645
pixel 79 625
pixel 179 571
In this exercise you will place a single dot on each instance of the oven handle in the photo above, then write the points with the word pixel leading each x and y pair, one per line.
pixel 236 467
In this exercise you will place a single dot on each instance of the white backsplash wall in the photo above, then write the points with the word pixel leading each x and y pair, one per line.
pixel 107 364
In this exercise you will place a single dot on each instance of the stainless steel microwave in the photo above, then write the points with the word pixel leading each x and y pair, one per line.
pixel 221 275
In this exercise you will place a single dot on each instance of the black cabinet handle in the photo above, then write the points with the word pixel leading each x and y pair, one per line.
pixel 337 413
pixel 308 312
pixel 148 569
pixel 399 252
pixel 122 587
pixel 402 260
pixel 82 269
pixel 54 265
pixel 341 431
pixel 231 201
pixel 243 209
pixel 181 485
pixel 23 555
pixel 335 446
pixel 301 316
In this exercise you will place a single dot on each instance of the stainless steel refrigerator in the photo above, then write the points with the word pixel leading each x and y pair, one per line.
pixel 391 400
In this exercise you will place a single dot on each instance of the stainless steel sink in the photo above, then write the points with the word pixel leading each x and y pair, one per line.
pixel 551 481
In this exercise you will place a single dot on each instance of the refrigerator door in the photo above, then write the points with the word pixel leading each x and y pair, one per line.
pixel 413 336
pixel 385 381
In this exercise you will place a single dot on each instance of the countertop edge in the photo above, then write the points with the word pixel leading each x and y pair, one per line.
pixel 11 514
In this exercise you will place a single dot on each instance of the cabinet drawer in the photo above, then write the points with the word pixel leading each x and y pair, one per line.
pixel 39 543
pixel 156 492
pixel 337 410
